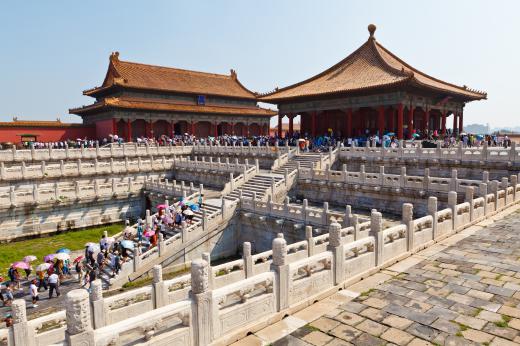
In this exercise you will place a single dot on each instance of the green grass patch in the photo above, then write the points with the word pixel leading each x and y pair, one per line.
pixel 462 326
pixel 499 276
pixel 504 322
pixel 477 311
pixel 39 247
pixel 310 328
pixel 366 293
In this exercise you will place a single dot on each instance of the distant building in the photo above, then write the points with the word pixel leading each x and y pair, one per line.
pixel 17 131
pixel 137 100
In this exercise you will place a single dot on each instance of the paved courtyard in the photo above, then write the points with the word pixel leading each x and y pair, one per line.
pixel 464 290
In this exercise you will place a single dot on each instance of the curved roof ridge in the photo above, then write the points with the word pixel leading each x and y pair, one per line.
pixel 310 79
pixel 415 70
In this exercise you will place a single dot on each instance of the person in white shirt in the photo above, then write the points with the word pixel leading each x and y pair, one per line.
pixel 54 283
pixel 34 293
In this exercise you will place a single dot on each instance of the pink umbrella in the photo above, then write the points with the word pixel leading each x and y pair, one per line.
pixel 149 233
pixel 49 257
pixel 21 265
pixel 161 206
pixel 29 258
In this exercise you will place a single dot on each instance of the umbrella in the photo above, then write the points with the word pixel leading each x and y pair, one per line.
pixel 108 240
pixel 20 265
pixel 480 137
pixel 29 258
pixel 49 257
pixel 390 134
pixel 63 250
pixel 189 204
pixel 194 207
pixel 89 244
pixel 127 244
pixel 188 212
pixel 161 206
pixel 149 233
pixel 43 267
pixel 416 135
pixel 93 247
pixel 62 256
pixel 78 259
pixel 463 134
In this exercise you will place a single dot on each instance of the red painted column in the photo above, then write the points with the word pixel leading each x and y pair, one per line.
pixel 426 118
pixel 454 122
pixel 232 128
pixel 381 121
pixel 391 125
pixel 280 116
pixel 400 121
pixel 216 129
pixel 313 124
pixel 410 122
pixel 129 130
pixel 114 126
pixel 193 127
pixel 291 125
pixel 349 122
pixel 461 117
pixel 443 123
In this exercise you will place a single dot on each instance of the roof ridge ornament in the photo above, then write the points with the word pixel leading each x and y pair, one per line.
pixel 372 29
pixel 114 56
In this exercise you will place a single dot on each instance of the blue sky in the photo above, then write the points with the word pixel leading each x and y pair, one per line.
pixel 53 50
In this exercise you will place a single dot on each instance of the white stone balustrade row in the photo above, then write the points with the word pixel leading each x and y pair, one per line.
pixel 240 149
pixel 23 171
pixel 223 303
pixel 484 153
pixel 172 189
pixel 112 150
pixel 399 181
pixel 211 165
pixel 67 192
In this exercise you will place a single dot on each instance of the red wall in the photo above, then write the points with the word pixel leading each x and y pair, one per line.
pixel 46 134
pixel 104 128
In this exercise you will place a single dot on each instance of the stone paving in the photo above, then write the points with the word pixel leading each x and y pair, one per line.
pixel 464 290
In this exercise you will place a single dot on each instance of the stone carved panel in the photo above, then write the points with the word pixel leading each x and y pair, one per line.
pixel 246 313
pixel 301 290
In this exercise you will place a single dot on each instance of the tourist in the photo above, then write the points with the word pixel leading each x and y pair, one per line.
pixel 116 263
pixel 54 284
pixel 34 293
pixel 101 260
pixel 28 272
pixel 91 277
pixel 200 200
pixel 8 320
pixel 9 293
pixel 41 278
pixel 79 270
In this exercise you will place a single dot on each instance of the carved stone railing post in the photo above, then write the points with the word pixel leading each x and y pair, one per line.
pixel 325 213
pixel 43 168
pixel 402 177
pixel 161 246
pixel 453 180
pixel 62 168
pixel 426 182
pixel 137 258
pixel 36 196
pixel 432 210
pixel 248 259
pixel 160 293
pixel 21 334
pixel 202 296
pixel 485 176
pixel 97 304
pixel 305 205
pixel 376 230
pixel 514 182
pixel 483 191
pixel 281 269
pixel 337 251
pixel 470 192
pixel 310 241
pixel 407 219
pixel 348 215
pixel 2 171
pixel 354 222
pixel 452 204
pixel 79 326
pixel 493 186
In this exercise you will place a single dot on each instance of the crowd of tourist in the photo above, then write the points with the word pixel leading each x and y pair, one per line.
pixel 107 256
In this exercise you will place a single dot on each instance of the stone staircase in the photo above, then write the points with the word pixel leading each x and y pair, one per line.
pixel 305 160
pixel 106 274
pixel 259 184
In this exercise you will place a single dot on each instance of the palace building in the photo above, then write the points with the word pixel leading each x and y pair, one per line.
pixel 144 100
pixel 372 91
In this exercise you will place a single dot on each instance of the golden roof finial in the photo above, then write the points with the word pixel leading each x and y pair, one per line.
pixel 371 29
pixel 114 56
